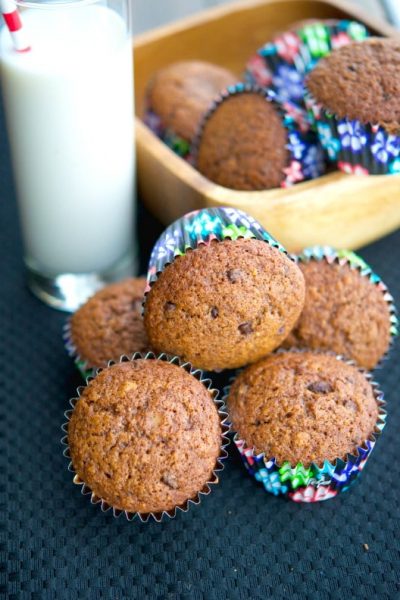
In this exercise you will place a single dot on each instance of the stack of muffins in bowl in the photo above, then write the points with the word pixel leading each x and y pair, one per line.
pixel 147 435
pixel 321 96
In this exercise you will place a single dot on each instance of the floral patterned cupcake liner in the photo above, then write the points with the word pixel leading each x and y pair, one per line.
pixel 219 466
pixel 202 227
pixel 347 257
pixel 177 144
pixel 306 157
pixel 312 483
pixel 283 64
pixel 84 369
pixel 357 148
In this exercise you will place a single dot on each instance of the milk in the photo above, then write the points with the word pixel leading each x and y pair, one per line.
pixel 69 111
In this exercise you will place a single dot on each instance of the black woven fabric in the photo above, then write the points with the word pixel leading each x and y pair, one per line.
pixel 240 543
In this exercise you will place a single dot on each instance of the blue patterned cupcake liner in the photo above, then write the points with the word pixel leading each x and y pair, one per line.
pixel 306 157
pixel 283 64
pixel 177 144
pixel 347 257
pixel 357 148
pixel 312 483
pixel 219 466
pixel 203 227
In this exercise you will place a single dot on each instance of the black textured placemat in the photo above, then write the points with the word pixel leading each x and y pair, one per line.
pixel 240 543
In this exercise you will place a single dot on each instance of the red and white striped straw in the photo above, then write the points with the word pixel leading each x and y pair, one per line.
pixel 13 21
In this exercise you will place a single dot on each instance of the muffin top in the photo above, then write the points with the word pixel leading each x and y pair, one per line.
pixel 224 304
pixel 303 407
pixel 145 436
pixel 343 312
pixel 110 323
pixel 242 145
pixel 361 81
pixel 181 93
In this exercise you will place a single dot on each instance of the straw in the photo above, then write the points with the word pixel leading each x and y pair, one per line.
pixel 13 21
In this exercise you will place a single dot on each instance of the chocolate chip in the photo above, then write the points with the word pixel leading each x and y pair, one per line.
pixel 320 387
pixel 259 422
pixel 352 68
pixel 281 330
pixel 214 312
pixel 170 481
pixel 169 306
pixel 234 275
pixel 245 328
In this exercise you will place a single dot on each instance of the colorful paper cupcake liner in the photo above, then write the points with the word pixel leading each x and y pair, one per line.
pixel 177 144
pixel 357 148
pixel 284 63
pixel 145 517
pixel 306 157
pixel 72 351
pixel 347 257
pixel 202 227
pixel 312 483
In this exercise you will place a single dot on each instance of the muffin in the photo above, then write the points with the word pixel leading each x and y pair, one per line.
pixel 354 100
pixel 283 63
pixel 145 437
pixel 109 324
pixel 179 95
pixel 248 141
pixel 304 420
pixel 224 304
pixel 347 309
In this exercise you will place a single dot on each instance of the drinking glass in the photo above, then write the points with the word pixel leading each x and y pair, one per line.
pixel 69 114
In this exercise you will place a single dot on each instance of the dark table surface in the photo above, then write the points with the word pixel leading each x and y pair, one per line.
pixel 240 543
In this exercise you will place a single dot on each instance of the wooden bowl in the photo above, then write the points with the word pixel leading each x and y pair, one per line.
pixel 341 210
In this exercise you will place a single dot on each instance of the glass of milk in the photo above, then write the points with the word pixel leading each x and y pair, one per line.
pixel 69 114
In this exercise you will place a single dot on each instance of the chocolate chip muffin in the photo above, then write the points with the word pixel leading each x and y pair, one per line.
pixel 145 436
pixel 361 81
pixel 344 311
pixel 243 143
pixel 180 94
pixel 110 323
pixel 224 304
pixel 303 408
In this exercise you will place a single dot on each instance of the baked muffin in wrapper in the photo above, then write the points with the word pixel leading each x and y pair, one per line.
pixel 357 148
pixel 202 227
pixel 108 325
pixel 176 97
pixel 219 466
pixel 306 157
pixel 283 64
pixel 312 483
pixel 354 261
